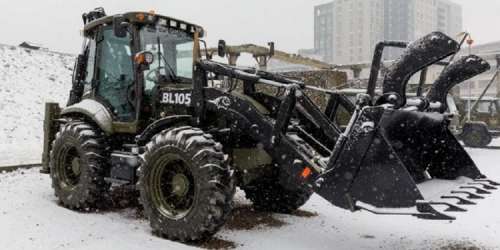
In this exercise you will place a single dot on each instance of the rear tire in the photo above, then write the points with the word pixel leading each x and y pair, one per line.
pixel 77 166
pixel 476 135
pixel 185 185
pixel 271 195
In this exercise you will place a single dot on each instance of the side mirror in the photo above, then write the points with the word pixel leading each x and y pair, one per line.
pixel 120 26
pixel 143 59
pixel 221 48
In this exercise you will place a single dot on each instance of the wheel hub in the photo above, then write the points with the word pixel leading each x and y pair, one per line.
pixel 180 185
pixel 173 187
pixel 75 166
pixel 69 166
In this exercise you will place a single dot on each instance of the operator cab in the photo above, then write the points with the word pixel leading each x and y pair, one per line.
pixel 112 66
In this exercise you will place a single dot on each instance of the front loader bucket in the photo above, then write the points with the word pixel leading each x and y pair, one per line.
pixel 426 146
pixel 387 153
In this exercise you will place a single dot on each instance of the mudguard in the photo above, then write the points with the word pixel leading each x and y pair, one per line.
pixel 94 111
pixel 160 125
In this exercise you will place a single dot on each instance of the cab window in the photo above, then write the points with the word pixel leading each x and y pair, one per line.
pixel 89 72
pixel 116 74
pixel 173 56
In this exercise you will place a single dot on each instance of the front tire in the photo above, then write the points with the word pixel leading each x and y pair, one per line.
pixel 77 166
pixel 185 185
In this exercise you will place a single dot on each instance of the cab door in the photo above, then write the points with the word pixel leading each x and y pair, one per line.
pixel 115 82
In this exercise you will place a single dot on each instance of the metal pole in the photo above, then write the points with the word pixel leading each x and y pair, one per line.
pixel 377 61
pixel 469 42
pixel 468 102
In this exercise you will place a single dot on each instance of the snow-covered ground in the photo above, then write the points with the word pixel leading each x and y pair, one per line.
pixel 30 218
pixel 28 79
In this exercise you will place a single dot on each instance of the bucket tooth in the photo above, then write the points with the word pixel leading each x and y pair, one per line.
pixel 422 209
pixel 483 185
pixel 451 207
pixel 476 189
pixel 428 212
pixel 434 216
pixel 490 182
pixel 461 201
pixel 470 195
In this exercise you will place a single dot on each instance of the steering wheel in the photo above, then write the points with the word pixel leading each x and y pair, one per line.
pixel 149 75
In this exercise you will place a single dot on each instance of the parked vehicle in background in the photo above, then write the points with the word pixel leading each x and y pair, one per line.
pixel 484 122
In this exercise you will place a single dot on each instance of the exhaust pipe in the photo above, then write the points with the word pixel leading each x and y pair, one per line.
pixel 420 54
pixel 459 71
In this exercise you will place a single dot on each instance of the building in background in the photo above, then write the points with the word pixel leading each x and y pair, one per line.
pixel 449 17
pixel 324 31
pixel 346 31
pixel 407 20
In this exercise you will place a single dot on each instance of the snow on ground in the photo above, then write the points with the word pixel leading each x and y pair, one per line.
pixel 30 218
pixel 28 79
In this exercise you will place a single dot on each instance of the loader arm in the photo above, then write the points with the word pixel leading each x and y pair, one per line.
pixel 273 136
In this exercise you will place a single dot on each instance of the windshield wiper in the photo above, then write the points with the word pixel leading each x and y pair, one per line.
pixel 172 74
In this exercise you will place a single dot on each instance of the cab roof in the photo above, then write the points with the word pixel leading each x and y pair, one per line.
pixel 139 18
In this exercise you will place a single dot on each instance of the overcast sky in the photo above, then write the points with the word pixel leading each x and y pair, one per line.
pixel 57 23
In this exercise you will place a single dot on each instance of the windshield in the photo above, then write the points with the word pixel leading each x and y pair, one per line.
pixel 173 55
